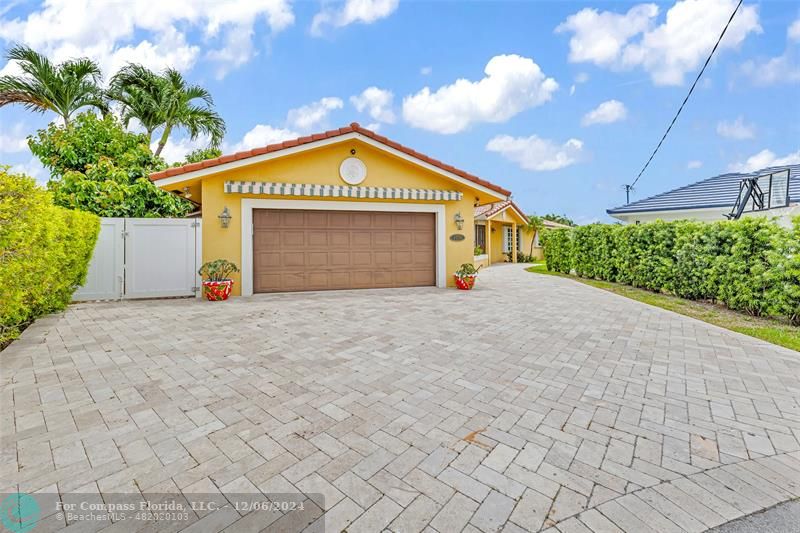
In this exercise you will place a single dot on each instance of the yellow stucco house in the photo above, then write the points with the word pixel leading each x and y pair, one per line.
pixel 342 209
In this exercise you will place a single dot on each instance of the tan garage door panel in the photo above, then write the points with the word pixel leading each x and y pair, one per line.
pixel 298 250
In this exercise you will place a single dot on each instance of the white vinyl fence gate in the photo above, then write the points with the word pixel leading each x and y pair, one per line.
pixel 144 258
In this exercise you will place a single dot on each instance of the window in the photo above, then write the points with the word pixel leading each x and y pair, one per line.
pixel 480 236
pixel 519 238
pixel 508 236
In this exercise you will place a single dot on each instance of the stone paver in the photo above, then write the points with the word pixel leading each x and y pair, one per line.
pixel 530 403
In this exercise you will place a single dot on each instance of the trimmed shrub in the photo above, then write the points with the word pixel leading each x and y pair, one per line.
pixel 750 265
pixel 783 276
pixel 697 245
pixel 741 274
pixel 558 250
pixel 592 251
pixel 44 252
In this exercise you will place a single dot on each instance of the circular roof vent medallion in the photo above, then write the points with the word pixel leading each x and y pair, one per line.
pixel 353 170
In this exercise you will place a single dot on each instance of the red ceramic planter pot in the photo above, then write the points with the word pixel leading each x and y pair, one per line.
pixel 466 283
pixel 217 291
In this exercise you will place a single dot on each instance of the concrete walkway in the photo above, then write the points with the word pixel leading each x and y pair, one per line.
pixel 532 402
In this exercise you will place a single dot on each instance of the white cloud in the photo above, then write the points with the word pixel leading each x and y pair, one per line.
pixel 142 31
pixel 580 78
pixel 535 153
pixel 299 121
pixel 373 126
pixel 175 151
pixel 784 68
pixel 694 164
pixel 736 129
pixel 512 85
pixel 14 140
pixel 793 33
pixel 377 102
pixel 363 11
pixel 606 113
pixel 763 159
pixel 772 71
pixel 425 71
pixel 666 51
pixel 314 115
pixel 262 135
pixel 600 37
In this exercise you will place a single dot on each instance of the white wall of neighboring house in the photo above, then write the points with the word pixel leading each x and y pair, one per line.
pixel 704 215
pixel 782 215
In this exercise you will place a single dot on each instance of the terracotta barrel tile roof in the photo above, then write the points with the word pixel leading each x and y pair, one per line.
pixel 354 127
pixel 489 210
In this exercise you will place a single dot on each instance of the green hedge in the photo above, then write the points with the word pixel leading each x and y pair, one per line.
pixel 44 252
pixel 750 265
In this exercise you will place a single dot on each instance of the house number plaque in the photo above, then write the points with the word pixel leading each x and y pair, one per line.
pixel 457 237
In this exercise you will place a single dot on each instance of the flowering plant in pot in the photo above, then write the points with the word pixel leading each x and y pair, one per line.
pixel 217 283
pixel 465 276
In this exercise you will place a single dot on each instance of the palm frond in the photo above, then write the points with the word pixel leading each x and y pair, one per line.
pixel 195 91
pixel 14 90
pixel 201 120
pixel 63 88
pixel 81 68
pixel 165 100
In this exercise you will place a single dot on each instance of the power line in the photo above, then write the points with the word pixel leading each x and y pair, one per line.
pixel 628 188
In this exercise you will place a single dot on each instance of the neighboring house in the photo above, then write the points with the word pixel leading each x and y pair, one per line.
pixel 771 192
pixel 501 233
pixel 342 209
pixel 498 227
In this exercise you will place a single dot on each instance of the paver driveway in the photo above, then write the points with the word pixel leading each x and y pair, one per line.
pixel 530 402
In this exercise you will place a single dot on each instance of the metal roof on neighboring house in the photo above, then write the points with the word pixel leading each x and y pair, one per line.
pixel 719 191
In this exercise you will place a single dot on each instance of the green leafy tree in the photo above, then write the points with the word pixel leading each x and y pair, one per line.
pixel 63 88
pixel 99 167
pixel 201 154
pixel 168 102
pixel 561 219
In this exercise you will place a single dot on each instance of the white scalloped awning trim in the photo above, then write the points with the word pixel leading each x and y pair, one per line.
pixel 339 191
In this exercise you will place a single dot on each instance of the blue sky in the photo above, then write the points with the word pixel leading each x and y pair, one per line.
pixel 561 102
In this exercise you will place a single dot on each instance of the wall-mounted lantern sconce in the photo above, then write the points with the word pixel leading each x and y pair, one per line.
pixel 459 220
pixel 224 217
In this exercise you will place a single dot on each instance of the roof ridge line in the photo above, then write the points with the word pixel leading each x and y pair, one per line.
pixel 354 127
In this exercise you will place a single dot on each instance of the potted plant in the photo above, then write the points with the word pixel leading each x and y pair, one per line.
pixel 217 283
pixel 465 276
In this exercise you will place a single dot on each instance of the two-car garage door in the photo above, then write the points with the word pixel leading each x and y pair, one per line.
pixel 304 250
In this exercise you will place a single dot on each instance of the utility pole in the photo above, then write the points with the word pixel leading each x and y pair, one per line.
pixel 628 189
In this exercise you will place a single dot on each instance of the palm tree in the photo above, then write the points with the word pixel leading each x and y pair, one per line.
pixel 534 224
pixel 63 88
pixel 166 101
pixel 138 90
